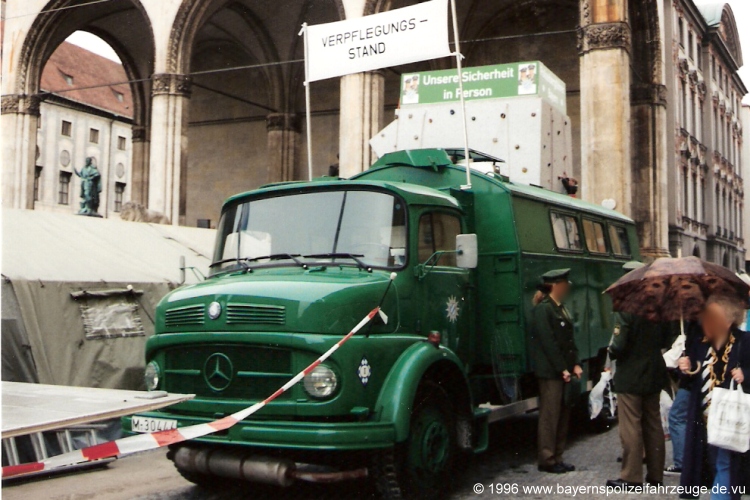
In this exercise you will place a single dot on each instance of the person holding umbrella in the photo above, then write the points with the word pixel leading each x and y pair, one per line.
pixel 641 374
pixel 724 350
pixel 688 289
pixel 556 363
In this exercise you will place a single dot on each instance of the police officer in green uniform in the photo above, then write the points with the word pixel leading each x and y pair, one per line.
pixel 556 362
pixel 640 376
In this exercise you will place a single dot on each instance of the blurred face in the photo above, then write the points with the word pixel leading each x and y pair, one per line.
pixel 715 323
pixel 560 290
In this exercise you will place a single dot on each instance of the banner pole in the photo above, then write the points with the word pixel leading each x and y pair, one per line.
pixel 308 120
pixel 461 94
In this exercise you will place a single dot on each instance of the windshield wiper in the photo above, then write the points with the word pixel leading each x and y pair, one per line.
pixel 232 259
pixel 342 255
pixel 279 256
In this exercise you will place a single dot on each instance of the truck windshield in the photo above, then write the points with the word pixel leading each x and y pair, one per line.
pixel 351 228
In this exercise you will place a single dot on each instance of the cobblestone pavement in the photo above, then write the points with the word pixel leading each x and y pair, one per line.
pixel 509 461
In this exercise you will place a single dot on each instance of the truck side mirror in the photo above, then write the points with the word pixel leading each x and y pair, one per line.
pixel 467 252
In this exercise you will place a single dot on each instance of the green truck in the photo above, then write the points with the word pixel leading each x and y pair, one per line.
pixel 298 265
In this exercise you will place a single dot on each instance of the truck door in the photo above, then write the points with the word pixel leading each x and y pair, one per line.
pixel 444 287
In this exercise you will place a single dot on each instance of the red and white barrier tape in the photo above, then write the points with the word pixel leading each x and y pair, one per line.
pixel 144 442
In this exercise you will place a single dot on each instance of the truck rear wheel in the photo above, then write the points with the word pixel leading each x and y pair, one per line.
pixel 421 467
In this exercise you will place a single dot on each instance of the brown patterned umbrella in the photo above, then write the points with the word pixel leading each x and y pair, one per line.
pixel 672 289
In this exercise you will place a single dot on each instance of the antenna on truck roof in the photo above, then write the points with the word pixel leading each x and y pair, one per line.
pixel 459 69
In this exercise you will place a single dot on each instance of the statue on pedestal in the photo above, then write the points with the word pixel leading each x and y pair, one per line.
pixel 91 186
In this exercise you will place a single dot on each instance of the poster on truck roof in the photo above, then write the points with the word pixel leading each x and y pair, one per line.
pixel 400 36
pixel 531 78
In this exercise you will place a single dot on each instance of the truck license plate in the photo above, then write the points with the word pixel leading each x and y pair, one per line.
pixel 149 424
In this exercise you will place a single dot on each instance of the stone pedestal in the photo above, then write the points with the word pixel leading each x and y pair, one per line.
pixel 20 115
pixel 605 108
pixel 283 145
pixel 362 102
pixel 167 176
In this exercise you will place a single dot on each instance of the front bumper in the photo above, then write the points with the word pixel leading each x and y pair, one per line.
pixel 337 436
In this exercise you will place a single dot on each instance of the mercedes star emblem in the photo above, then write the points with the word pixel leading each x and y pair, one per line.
pixel 218 371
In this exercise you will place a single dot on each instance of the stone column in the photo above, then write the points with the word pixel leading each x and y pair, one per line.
pixel 167 173
pixel 604 44
pixel 650 200
pixel 20 115
pixel 362 103
pixel 139 165
pixel 283 145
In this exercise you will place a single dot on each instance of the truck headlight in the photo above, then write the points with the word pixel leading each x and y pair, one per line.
pixel 321 382
pixel 151 376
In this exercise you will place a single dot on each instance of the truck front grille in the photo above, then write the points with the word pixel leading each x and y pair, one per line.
pixel 188 315
pixel 255 373
pixel 255 314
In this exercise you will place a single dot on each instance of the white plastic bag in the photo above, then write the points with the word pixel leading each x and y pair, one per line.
pixel 729 419
pixel 596 396
pixel 665 404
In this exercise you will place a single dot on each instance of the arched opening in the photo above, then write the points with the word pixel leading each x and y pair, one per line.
pixel 247 100
pixel 725 261
pixel 121 29
pixel 87 111
pixel 697 251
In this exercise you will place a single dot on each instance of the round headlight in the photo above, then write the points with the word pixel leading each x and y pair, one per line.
pixel 214 310
pixel 151 376
pixel 321 382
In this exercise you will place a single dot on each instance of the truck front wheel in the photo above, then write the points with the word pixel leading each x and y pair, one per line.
pixel 421 467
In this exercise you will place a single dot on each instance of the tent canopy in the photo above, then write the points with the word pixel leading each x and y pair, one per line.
pixel 61 336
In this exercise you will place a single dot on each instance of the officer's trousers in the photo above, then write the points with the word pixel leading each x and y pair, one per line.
pixel 641 431
pixel 554 416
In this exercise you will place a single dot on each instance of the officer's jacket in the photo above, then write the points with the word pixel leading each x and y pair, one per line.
pixel 553 347
pixel 636 345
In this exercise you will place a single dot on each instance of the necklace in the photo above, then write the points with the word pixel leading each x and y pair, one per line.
pixel 715 380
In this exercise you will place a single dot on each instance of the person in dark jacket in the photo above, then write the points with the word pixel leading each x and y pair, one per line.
pixel 639 379
pixel 555 357
pixel 723 353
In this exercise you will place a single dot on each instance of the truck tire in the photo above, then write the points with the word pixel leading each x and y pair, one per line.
pixel 422 466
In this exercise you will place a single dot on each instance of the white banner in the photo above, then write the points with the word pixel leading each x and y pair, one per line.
pixel 392 38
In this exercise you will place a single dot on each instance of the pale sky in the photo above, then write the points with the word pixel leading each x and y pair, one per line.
pixel 741 9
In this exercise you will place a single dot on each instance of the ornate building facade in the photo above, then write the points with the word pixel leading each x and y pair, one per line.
pixel 708 199
pixel 218 95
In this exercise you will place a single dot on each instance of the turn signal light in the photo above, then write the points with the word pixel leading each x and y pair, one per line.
pixel 434 338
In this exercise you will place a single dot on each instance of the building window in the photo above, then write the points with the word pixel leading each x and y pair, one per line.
pixel 685 194
pixel 698 54
pixel 121 143
pixel 693 114
pixel 94 136
pixel 683 99
pixel 681 31
pixel 703 200
pixel 63 190
pixel 721 77
pixel 67 128
pixel 119 191
pixel 713 67
pixel 37 177
pixel 68 79
pixel 204 223
pixel 695 197
pixel 691 52
pixel 119 95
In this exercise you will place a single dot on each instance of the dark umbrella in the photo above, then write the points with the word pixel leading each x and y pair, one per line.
pixel 674 289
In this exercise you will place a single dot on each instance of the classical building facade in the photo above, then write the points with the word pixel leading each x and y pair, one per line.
pixel 77 124
pixel 707 204
pixel 218 95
